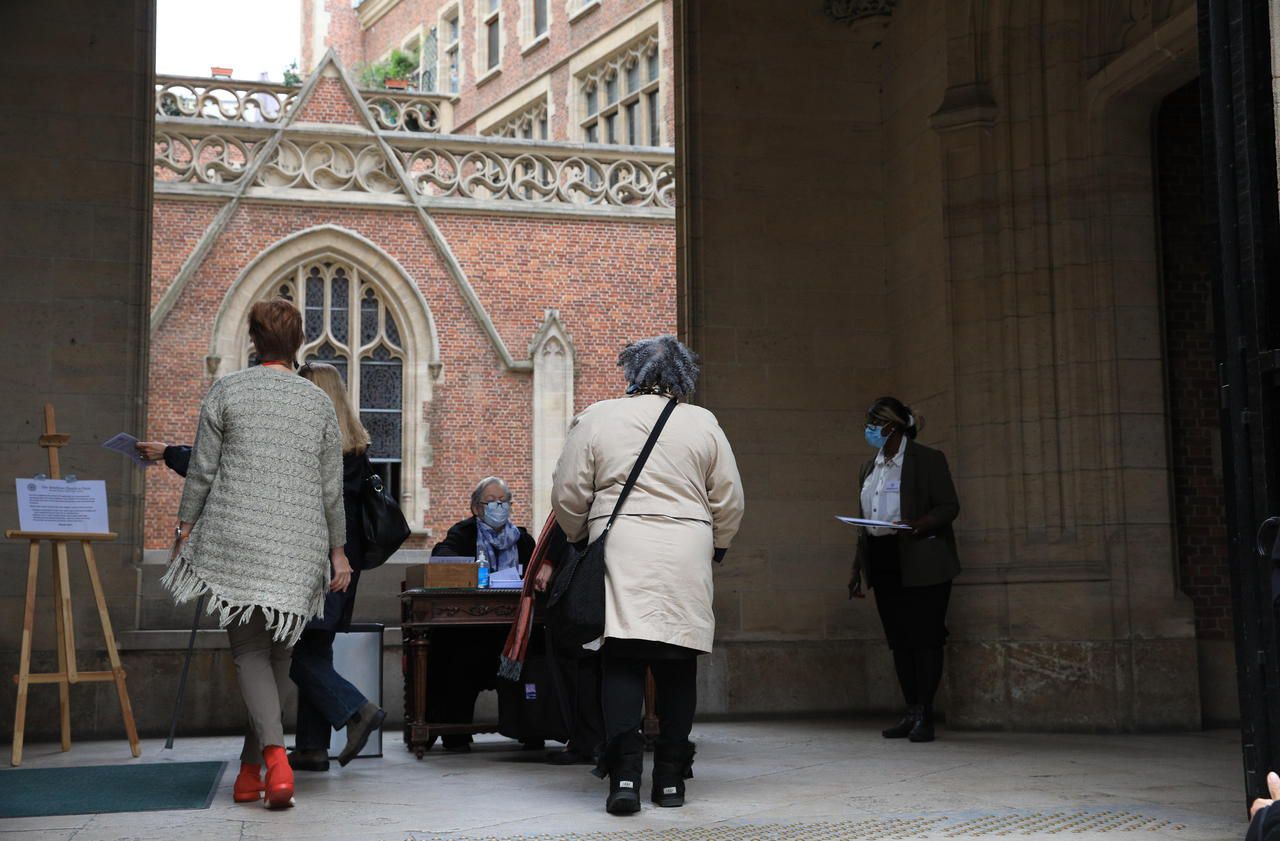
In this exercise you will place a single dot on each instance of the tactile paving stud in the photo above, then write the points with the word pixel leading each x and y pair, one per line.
pixel 1011 824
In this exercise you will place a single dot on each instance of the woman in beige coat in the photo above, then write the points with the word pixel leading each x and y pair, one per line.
pixel 681 515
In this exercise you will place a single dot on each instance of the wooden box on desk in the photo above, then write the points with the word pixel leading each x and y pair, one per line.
pixel 438 575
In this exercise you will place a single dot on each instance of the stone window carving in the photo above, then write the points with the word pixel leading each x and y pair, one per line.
pixel 489 42
pixel 621 97
pixel 428 62
pixel 537 19
pixel 579 7
pixel 348 325
pixel 451 69
pixel 529 123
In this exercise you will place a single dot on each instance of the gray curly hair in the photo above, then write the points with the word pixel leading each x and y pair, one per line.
pixel 659 364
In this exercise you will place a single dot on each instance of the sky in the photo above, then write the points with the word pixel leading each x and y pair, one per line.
pixel 249 36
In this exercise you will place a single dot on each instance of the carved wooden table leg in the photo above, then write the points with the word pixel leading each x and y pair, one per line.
pixel 418 649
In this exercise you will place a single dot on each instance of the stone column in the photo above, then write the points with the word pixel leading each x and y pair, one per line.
pixel 552 353
pixel 1059 399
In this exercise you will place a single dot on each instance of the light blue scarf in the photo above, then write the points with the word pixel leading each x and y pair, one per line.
pixel 501 548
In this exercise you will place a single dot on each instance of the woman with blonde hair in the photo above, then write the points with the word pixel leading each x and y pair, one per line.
pixel 325 698
pixel 262 529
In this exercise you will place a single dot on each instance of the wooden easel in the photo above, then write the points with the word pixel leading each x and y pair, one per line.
pixel 67 673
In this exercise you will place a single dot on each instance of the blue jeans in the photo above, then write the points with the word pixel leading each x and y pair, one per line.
pixel 325 698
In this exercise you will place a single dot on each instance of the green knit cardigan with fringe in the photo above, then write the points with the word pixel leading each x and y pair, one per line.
pixel 264 490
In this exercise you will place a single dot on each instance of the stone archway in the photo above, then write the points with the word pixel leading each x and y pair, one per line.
pixel 416 345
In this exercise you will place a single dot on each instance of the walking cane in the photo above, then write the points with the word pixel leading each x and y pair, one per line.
pixel 182 678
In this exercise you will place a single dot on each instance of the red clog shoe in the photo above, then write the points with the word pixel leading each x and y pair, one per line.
pixel 248 787
pixel 279 794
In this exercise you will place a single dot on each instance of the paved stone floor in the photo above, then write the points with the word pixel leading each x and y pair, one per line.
pixel 812 780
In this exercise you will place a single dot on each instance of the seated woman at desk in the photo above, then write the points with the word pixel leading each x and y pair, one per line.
pixel 464 661
pixel 489 528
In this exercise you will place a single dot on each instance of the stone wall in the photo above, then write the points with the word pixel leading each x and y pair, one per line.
pixel 1195 441
pixel 966 222
pixel 75 238
pixel 791 313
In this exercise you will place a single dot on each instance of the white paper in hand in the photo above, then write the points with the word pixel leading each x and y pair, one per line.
pixel 876 524
pixel 126 444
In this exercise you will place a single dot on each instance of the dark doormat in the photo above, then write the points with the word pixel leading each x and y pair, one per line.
pixel 93 789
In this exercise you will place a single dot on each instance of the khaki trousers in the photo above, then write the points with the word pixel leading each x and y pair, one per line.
pixel 262 668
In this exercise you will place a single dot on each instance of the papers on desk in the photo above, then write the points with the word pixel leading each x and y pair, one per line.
pixel 875 524
pixel 124 444
pixel 505 579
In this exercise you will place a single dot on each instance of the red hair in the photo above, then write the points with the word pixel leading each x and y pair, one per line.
pixel 276 329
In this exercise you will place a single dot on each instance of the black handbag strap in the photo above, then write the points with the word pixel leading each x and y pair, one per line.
pixel 640 460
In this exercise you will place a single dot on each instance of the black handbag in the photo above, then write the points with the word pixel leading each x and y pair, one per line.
pixel 383 523
pixel 535 707
pixel 575 601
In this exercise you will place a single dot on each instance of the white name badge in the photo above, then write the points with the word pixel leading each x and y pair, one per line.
pixel 893 486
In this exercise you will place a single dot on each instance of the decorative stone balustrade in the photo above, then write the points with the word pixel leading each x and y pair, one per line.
pixel 266 102
pixel 209 137
pixel 222 99
pixel 538 172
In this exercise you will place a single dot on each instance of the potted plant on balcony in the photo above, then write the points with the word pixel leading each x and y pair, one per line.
pixel 392 73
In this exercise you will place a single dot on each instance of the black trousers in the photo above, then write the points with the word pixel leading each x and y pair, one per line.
pixel 586 735
pixel 914 621
pixel 462 663
pixel 675 674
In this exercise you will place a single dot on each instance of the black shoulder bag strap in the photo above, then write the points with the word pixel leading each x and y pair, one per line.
pixel 640 460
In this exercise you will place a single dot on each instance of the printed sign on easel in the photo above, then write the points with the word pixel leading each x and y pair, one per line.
pixel 58 505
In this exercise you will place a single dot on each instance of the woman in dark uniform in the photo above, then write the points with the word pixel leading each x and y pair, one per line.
pixel 325 698
pixel 910 569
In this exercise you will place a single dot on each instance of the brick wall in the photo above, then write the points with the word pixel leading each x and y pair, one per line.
pixel 339 28
pixel 329 103
pixel 518 68
pixel 612 281
pixel 1200 511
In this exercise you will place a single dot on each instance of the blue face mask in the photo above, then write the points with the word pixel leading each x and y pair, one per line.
pixel 875 435
pixel 497 514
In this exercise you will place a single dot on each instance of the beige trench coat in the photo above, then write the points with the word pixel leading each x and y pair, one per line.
pixel 687 503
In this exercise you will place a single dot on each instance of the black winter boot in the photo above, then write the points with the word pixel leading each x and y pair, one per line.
pixel 903 728
pixel 672 765
pixel 623 762
pixel 923 730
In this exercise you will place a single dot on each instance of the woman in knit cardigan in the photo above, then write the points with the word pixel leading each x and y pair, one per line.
pixel 262 527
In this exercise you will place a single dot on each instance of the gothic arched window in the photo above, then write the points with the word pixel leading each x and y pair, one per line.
pixel 348 325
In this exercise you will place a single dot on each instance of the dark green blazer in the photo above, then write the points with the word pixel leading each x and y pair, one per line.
pixel 929 555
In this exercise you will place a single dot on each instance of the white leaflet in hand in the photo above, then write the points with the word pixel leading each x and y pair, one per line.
pixel 125 444
pixel 875 524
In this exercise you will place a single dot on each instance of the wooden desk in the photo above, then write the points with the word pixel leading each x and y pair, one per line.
pixel 420 611
pixel 423 609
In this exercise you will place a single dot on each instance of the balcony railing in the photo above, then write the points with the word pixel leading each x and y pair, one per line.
pixel 222 99
pixel 210 135
pixel 267 102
